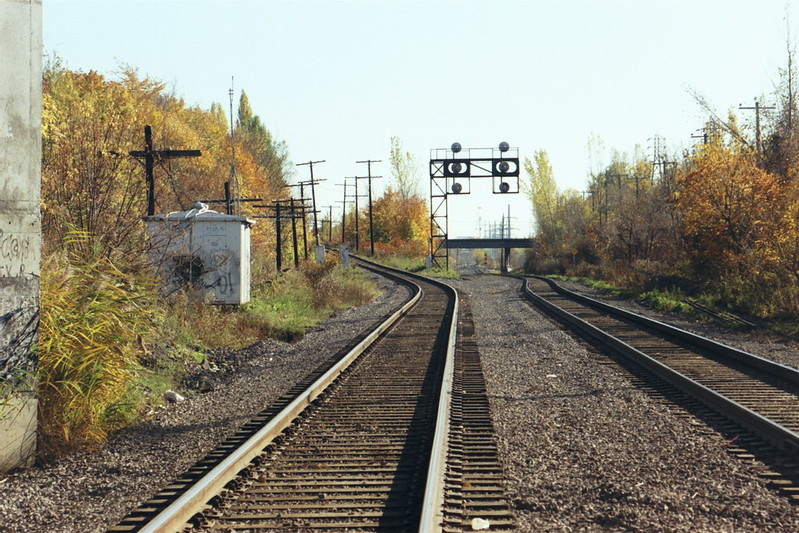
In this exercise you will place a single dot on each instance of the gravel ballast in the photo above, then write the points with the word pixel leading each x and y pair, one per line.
pixel 583 449
pixel 92 491
pixel 569 464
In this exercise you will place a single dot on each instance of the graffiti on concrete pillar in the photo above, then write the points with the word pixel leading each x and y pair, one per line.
pixel 19 296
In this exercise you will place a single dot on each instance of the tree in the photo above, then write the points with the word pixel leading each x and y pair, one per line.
pixel 542 192
pixel 727 205
pixel 270 156
pixel 404 171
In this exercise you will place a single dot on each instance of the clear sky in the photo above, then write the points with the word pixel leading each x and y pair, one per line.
pixel 337 79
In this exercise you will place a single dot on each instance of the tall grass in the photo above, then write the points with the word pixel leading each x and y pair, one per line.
pixel 94 322
pixel 109 345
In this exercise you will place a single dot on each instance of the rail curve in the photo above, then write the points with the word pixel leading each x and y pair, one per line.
pixel 363 444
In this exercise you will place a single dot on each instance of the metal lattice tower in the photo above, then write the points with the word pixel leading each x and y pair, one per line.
pixel 451 173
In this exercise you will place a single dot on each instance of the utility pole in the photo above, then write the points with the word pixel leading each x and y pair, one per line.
pixel 278 232
pixel 313 195
pixel 294 233
pixel 371 225
pixel 357 213
pixel 303 199
pixel 228 200
pixel 329 222
pixel 637 180
pixel 757 108
pixel 232 191
pixel 343 210
pixel 703 136
pixel 149 155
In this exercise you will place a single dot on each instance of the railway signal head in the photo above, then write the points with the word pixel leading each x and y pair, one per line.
pixel 504 147
pixel 456 147
pixel 504 187
pixel 457 188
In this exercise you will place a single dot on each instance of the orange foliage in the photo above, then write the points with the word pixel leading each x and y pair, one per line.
pixel 400 219
pixel 729 209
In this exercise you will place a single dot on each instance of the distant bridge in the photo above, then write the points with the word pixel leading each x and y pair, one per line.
pixel 488 243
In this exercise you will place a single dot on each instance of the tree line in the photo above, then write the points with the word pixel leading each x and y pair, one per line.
pixel 720 220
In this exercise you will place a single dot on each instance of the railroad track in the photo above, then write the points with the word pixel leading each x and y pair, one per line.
pixel 750 392
pixel 367 442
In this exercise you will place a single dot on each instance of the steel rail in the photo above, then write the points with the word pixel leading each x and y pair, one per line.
pixel 761 363
pixel 775 433
pixel 432 519
pixel 175 515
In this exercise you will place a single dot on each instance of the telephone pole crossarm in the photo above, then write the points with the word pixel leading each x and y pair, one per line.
pixel 371 219
pixel 313 183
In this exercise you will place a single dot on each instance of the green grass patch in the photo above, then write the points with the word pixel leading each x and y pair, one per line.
pixel 416 265
pixel 600 285
pixel 401 262
pixel 436 272
pixel 671 301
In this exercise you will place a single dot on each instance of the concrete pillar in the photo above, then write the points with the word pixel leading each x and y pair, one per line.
pixel 20 227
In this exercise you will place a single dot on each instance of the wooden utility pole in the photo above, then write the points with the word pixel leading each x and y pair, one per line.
pixel 228 200
pixel 371 221
pixel 343 210
pixel 149 155
pixel 757 108
pixel 329 222
pixel 302 199
pixel 357 213
pixel 313 195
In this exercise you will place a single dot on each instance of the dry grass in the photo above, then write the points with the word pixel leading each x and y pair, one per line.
pixel 93 319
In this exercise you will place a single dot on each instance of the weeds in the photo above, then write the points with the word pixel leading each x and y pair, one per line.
pixel 666 301
pixel 93 319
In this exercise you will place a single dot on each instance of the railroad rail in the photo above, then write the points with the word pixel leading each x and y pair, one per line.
pixel 761 395
pixel 364 443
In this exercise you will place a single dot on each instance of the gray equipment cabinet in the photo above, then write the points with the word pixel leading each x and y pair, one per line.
pixel 205 249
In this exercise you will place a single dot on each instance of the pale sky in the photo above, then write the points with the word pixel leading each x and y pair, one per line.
pixel 337 79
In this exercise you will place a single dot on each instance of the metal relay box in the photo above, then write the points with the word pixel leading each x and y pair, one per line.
pixel 205 249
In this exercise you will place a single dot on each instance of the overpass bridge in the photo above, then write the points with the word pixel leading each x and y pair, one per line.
pixel 504 244
pixel 479 244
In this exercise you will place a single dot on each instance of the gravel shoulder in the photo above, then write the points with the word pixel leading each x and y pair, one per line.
pixel 92 491
pixel 571 466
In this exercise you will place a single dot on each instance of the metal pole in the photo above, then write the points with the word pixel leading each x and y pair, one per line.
pixel 294 234
pixel 304 223
pixel 279 238
pixel 148 168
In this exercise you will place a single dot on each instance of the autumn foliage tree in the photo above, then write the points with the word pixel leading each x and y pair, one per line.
pixel 91 184
pixel 400 215
pixel 732 213
pixel 100 306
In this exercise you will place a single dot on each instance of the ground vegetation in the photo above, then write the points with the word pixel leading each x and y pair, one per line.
pixel 111 342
